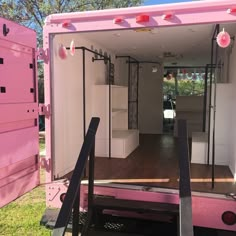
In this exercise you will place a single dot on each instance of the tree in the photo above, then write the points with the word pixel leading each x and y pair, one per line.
pixel 32 13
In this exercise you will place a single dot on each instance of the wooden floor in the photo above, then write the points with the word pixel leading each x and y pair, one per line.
pixel 155 163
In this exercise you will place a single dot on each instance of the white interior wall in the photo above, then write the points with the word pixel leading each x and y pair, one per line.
pixel 150 100
pixel 66 116
pixel 67 104
pixel 232 133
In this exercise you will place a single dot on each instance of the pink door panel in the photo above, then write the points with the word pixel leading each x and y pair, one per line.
pixel 19 169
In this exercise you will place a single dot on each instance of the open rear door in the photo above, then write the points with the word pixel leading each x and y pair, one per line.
pixel 19 169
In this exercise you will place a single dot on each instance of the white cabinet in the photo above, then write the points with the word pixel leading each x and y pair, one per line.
pixel 190 108
pixel 123 140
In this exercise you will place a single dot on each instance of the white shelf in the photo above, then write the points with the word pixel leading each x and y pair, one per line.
pixel 123 134
pixel 123 140
pixel 116 111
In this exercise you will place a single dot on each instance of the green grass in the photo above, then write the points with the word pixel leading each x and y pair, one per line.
pixel 22 216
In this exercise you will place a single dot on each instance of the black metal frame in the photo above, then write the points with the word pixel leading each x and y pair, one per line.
pixel 213 41
pixel 107 59
pixel 104 58
pixel 130 61
pixel 208 66
pixel 213 65
pixel 205 100
pixel 72 197
pixel 185 224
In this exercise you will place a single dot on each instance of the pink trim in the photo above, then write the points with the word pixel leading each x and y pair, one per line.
pixel 53 192
pixel 207 210
pixel 182 16
pixel 192 7
pixel 47 96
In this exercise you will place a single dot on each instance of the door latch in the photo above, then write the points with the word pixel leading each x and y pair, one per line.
pixel 42 55
pixel 44 110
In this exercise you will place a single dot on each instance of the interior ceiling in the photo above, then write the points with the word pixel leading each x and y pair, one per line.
pixel 174 46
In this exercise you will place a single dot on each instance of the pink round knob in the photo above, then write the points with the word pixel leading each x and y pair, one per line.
pixel 223 39
pixel 62 52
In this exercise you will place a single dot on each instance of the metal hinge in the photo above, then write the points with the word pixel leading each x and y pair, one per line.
pixel 45 163
pixel 44 110
pixel 43 55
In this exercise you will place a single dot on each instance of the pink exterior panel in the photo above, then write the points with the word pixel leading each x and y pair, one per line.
pixel 16 75
pixel 15 168
pixel 18 145
pixel 19 170
pixel 18 112
pixel 19 34
pixel 5 127
pixel 18 187
pixel 207 210
pixel 18 174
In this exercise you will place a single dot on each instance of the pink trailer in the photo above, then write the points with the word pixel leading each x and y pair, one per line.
pixel 139 44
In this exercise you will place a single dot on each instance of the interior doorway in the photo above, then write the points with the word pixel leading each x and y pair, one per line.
pixel 179 83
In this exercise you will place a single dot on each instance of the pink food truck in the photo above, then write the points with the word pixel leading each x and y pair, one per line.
pixel 108 160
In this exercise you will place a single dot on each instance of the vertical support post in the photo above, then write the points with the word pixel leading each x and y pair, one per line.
pixel 205 100
pixel 214 117
pixel 90 189
pixel 176 84
pixel 129 75
pixel 84 94
pixel 75 221
pixel 138 64
pixel 185 219
pixel 109 82
pixel 210 92
pixel 210 105
pixel 91 176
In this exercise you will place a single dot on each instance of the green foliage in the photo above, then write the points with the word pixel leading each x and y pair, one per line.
pixel 32 13
pixel 184 87
pixel 22 216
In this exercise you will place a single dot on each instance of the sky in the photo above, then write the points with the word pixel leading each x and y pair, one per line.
pixel 153 2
